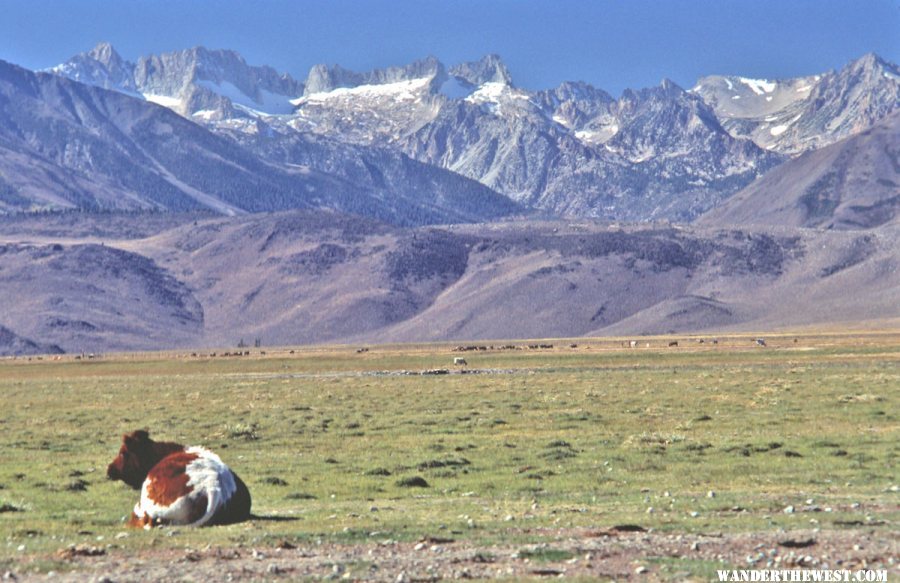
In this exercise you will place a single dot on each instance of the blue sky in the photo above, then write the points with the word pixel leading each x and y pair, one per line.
pixel 612 44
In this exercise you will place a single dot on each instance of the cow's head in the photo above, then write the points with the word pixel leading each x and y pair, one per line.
pixel 136 458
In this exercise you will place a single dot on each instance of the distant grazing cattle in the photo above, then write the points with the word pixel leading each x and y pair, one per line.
pixel 633 344
pixel 673 343
pixel 761 341
pixel 179 485
pixel 460 361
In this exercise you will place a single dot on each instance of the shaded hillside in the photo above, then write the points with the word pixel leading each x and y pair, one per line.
pixel 11 344
pixel 88 297
pixel 313 276
pixel 853 184
pixel 64 144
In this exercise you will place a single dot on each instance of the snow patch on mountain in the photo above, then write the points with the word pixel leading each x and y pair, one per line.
pixel 164 100
pixel 400 91
pixel 758 86
pixel 494 94
pixel 269 103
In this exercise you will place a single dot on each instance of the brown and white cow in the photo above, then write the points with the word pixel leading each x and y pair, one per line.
pixel 178 484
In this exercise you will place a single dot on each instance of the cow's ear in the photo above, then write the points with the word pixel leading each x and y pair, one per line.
pixel 137 437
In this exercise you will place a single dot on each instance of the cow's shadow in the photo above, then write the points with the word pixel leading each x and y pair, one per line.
pixel 273 518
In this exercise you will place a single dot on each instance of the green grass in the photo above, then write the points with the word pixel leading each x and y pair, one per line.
pixel 584 437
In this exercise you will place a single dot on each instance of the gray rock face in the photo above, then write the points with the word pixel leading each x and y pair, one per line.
pixel 215 83
pixel 490 69
pixel 793 116
pixel 101 66
pixel 655 154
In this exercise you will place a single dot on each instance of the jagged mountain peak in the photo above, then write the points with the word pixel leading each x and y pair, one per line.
pixel 670 87
pixel 872 68
pixel 793 116
pixel 104 53
pixel 580 91
pixel 489 69
pixel 196 61
pixel 869 60
pixel 189 81
pixel 101 66
pixel 667 90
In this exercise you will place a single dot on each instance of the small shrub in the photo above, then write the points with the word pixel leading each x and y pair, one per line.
pixel 299 496
pixel 447 463
pixel 77 485
pixel 559 454
pixel 247 432
pixel 9 507
pixel 413 482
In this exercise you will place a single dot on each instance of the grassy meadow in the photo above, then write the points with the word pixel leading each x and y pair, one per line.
pixel 330 441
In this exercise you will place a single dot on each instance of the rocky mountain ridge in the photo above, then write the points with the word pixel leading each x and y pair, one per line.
pixel 793 116
pixel 655 153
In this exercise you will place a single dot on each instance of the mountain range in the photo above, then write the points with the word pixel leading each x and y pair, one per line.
pixel 191 199
pixel 655 153
pixel 303 276
pixel 66 144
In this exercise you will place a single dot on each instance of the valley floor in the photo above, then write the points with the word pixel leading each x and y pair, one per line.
pixel 585 458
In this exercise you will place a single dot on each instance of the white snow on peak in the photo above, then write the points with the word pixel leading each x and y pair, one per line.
pixel 206 114
pixel 488 92
pixel 400 91
pixel 759 86
pixel 804 88
pixel 780 129
pixel 561 120
pixel 164 100
pixel 891 76
pixel 493 91
pixel 269 104
pixel 596 136
pixel 729 83
pixel 735 96
pixel 493 94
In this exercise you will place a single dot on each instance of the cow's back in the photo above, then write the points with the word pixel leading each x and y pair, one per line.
pixel 194 487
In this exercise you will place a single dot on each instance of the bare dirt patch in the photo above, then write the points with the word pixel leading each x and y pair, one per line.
pixel 615 553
